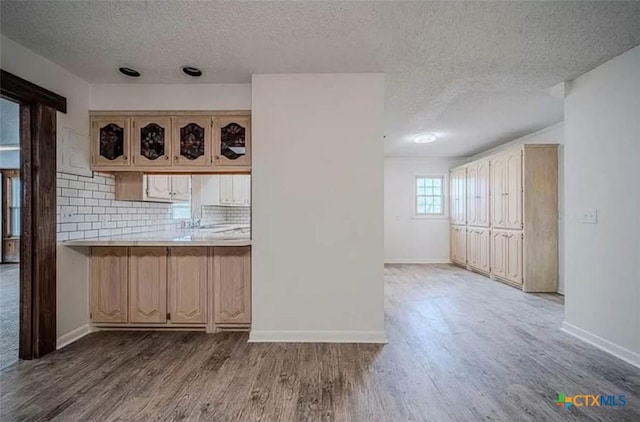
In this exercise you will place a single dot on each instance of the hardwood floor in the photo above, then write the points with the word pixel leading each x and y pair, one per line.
pixel 9 313
pixel 461 348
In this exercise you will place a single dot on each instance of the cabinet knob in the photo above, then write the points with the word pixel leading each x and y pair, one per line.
pixel 217 157
pixel 175 157
pixel 166 157
pixel 124 157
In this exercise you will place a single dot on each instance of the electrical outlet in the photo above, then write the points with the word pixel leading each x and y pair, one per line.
pixel 589 216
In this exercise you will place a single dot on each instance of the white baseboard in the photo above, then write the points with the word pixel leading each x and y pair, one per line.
pixel 317 336
pixel 72 336
pixel 602 344
pixel 417 261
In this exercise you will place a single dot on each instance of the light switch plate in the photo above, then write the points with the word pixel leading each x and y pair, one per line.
pixel 589 216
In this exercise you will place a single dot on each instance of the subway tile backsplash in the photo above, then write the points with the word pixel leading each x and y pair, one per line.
pixel 214 214
pixel 87 208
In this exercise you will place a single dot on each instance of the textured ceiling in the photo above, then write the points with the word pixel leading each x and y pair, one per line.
pixel 476 73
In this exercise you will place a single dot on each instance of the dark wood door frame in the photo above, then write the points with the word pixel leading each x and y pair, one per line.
pixel 38 108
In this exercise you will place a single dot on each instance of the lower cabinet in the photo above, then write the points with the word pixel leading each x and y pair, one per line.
pixel 148 284
pixel 459 244
pixel 109 275
pixel 478 250
pixel 506 256
pixel 188 284
pixel 178 286
pixel 232 285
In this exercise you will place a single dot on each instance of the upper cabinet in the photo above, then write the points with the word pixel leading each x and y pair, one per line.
pixel 151 146
pixel 457 198
pixel 232 141
pixel 213 142
pixel 192 141
pixel 111 142
pixel 478 193
pixel 506 190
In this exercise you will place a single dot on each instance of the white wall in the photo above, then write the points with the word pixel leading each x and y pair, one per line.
pixel 602 142
pixel 408 239
pixel 171 97
pixel 72 157
pixel 553 134
pixel 72 127
pixel 317 254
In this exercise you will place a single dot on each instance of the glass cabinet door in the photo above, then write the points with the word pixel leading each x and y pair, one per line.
pixel 233 141
pixel 151 146
pixel 110 141
pixel 192 141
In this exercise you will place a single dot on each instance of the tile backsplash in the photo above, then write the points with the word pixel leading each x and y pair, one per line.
pixel 87 208
pixel 213 214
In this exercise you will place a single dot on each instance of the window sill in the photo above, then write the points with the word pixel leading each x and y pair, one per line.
pixel 429 217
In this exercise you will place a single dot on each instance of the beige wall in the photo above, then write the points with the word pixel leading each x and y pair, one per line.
pixel 317 197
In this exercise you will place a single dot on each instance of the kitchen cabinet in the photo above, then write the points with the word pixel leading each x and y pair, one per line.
pixel 459 245
pixel 108 268
pixel 457 197
pixel 151 141
pixel 522 216
pixel 478 249
pixel 477 181
pixel 171 141
pixel 148 284
pixel 192 141
pixel 111 143
pixel 232 191
pixel 152 187
pixel 188 284
pixel 156 287
pixel 506 253
pixel 232 144
pixel 506 190
pixel 232 285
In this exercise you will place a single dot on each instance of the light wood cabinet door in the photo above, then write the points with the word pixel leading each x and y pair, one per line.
pixel 181 188
pixel 241 190
pixel 232 144
pixel 498 191
pixel 232 285
pixel 110 142
pixel 157 187
pixel 482 193
pixel 472 194
pixel 457 195
pixel 498 258
pixel 210 185
pixel 226 190
pixel 151 141
pixel 459 244
pixel 513 190
pixel 513 260
pixel 188 284
pixel 148 284
pixel 192 141
pixel 109 280
pixel 478 249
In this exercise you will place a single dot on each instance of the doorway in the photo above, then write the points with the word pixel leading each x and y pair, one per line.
pixel 30 208
pixel 10 207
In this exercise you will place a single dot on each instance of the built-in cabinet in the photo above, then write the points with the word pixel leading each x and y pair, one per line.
pixel 511 226
pixel 157 286
pixel 457 197
pixel 171 141
pixel 227 190
pixel 153 187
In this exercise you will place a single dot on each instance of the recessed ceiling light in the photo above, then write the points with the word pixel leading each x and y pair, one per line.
pixel 127 71
pixel 426 138
pixel 191 71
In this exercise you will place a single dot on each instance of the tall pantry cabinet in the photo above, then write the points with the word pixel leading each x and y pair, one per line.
pixel 511 227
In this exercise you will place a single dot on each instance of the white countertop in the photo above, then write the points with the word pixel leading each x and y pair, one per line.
pixel 215 236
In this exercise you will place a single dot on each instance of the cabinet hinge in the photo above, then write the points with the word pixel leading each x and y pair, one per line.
pixel 212 123
pixel 168 316
pixel 90 315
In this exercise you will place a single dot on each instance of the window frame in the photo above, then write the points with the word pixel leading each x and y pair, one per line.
pixel 444 184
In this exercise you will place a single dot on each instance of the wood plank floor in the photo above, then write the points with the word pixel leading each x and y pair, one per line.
pixel 461 348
